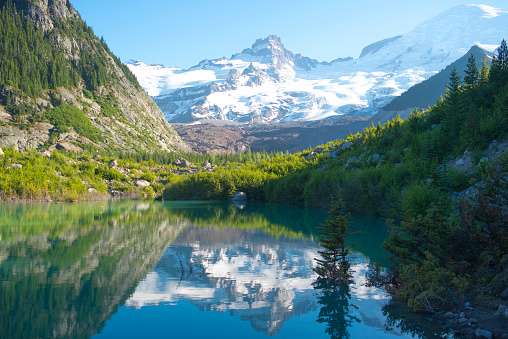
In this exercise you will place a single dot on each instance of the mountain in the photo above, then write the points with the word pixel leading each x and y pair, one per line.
pixel 267 83
pixel 61 86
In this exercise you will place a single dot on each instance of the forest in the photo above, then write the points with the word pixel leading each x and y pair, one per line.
pixel 448 224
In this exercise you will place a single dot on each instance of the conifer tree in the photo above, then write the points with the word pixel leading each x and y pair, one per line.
pixel 484 72
pixel 335 265
pixel 499 69
pixel 471 78
pixel 454 87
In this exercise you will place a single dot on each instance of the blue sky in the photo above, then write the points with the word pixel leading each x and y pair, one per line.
pixel 180 33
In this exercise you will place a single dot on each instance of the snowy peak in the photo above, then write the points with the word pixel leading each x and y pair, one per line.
pixel 269 50
pixel 268 83
pixel 437 42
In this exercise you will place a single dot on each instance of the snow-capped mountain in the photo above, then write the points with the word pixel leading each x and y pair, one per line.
pixel 267 83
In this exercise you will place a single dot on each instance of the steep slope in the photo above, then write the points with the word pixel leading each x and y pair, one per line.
pixel 267 83
pixel 60 84
pixel 428 92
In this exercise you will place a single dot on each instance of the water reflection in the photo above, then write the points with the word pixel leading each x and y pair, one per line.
pixel 252 275
pixel 335 312
pixel 66 279
pixel 82 270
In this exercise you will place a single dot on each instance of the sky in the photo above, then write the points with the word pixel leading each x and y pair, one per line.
pixel 180 33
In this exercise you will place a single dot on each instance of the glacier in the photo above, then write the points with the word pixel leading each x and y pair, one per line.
pixel 267 83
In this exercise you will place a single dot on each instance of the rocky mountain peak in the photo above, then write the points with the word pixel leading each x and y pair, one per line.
pixel 269 50
pixel 45 12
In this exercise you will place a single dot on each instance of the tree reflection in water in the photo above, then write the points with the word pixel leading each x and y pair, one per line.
pixel 334 299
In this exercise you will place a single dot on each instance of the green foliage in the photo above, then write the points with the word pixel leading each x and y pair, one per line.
pixel 66 116
pixel 109 105
pixel 417 198
pixel 335 265
pixel 31 61
pixel 442 258
pixel 220 184
pixel 499 69
pixel 472 75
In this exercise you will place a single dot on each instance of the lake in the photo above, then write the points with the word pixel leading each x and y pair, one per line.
pixel 129 269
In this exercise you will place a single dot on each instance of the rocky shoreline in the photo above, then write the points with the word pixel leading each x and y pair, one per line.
pixel 475 321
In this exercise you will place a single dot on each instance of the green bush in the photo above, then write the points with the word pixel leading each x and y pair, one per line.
pixel 66 116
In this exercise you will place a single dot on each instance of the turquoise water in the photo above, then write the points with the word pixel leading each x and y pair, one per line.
pixel 183 269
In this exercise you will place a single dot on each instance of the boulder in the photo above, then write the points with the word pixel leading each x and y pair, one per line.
pixel 97 157
pixel 347 145
pixel 16 166
pixel 142 183
pixel 113 163
pixel 183 163
pixel 239 196
pixel 1 152
pixel 68 147
pixel 483 334
pixel 206 165
pixel 46 154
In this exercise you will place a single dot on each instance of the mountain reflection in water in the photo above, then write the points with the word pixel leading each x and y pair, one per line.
pixel 131 269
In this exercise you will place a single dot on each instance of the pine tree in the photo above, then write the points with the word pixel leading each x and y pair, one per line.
pixel 454 87
pixel 499 69
pixel 484 72
pixel 471 78
pixel 335 266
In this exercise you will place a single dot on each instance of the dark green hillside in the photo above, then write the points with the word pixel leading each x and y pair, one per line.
pixel 49 57
pixel 428 92
pixel 31 61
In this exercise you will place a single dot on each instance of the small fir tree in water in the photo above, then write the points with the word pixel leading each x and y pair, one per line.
pixel 335 265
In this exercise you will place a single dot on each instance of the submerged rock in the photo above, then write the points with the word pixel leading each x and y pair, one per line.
pixel 483 334
pixel 239 196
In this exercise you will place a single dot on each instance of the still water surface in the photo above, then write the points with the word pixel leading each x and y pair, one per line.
pixel 183 269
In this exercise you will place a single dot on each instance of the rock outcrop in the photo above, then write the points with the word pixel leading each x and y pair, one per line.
pixel 119 108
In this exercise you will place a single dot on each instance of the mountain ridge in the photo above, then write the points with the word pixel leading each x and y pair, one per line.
pixel 292 87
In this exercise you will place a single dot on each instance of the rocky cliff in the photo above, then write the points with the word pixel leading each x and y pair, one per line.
pixel 71 67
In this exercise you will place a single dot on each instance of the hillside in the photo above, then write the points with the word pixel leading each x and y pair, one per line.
pixel 428 92
pixel 61 87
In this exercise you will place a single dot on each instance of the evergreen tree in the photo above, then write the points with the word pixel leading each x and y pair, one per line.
pixel 335 266
pixel 499 69
pixel 471 78
pixel 484 72
pixel 454 87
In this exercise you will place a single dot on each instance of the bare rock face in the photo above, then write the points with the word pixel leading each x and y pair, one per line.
pixel 44 12
pixel 22 140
